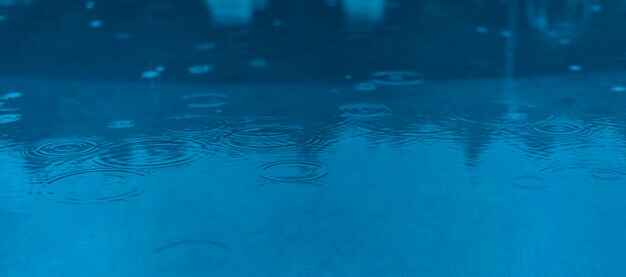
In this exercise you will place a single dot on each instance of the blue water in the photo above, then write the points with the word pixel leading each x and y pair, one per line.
pixel 312 138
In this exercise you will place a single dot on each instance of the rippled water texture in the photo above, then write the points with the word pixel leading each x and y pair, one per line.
pixel 312 138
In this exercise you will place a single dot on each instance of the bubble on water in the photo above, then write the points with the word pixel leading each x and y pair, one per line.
pixel 205 46
pixel 95 23
pixel 293 171
pixel 481 29
pixel 365 86
pixel 152 153
pixel 205 100
pixel 9 118
pixel 191 255
pixel 90 5
pixel 364 110
pixel 200 69
pixel 530 183
pixel 397 78
pixel 258 63
pixel 575 68
pixel 12 95
pixel 121 124
pixel 618 89
pixel 63 148
pixel 95 186
pixel 150 74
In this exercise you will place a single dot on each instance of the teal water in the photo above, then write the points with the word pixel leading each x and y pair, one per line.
pixel 312 138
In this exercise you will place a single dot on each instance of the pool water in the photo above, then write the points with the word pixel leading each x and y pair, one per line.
pixel 312 138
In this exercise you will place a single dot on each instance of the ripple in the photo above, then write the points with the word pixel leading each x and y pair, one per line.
pixel 121 124
pixel 9 118
pixel 191 255
pixel 530 182
pixel 558 127
pixel 200 69
pixel 205 100
pixel 364 110
pixel 152 153
pixel 269 134
pixel 583 171
pixel 197 125
pixel 95 186
pixel 63 148
pixel 397 78
pixel 293 171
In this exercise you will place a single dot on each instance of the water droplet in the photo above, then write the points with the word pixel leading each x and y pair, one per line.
pixel 12 95
pixel 258 63
pixel 95 186
pixel 95 23
pixel 121 124
pixel 618 89
pixel 481 29
pixel 205 100
pixel 151 74
pixel 152 153
pixel 364 110
pixel 90 5
pixel 293 171
pixel 9 118
pixel 63 148
pixel 365 86
pixel 575 68
pixel 200 69
pixel 191 255
pixel 397 78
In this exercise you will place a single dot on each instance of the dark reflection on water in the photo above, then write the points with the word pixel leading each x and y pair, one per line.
pixel 321 138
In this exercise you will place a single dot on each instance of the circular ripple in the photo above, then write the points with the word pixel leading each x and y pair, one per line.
pixel 197 124
pixel 151 153
pixel 293 171
pixel 9 118
pixel 558 127
pixel 364 110
pixel 62 148
pixel 205 100
pixel 95 186
pixel 121 124
pixel 268 134
pixel 191 255
pixel 397 78
pixel 578 172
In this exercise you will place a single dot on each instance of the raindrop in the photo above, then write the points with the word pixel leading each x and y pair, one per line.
pixel 365 86
pixel 121 124
pixel 95 186
pixel 151 74
pixel 575 68
pixel 558 127
pixel 481 29
pixel 258 63
pixel 364 110
pixel 191 255
pixel 200 69
pixel 95 23
pixel 293 171
pixel 397 78
pixel 205 100
pixel 9 118
pixel 151 153
pixel 63 148
pixel 618 89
